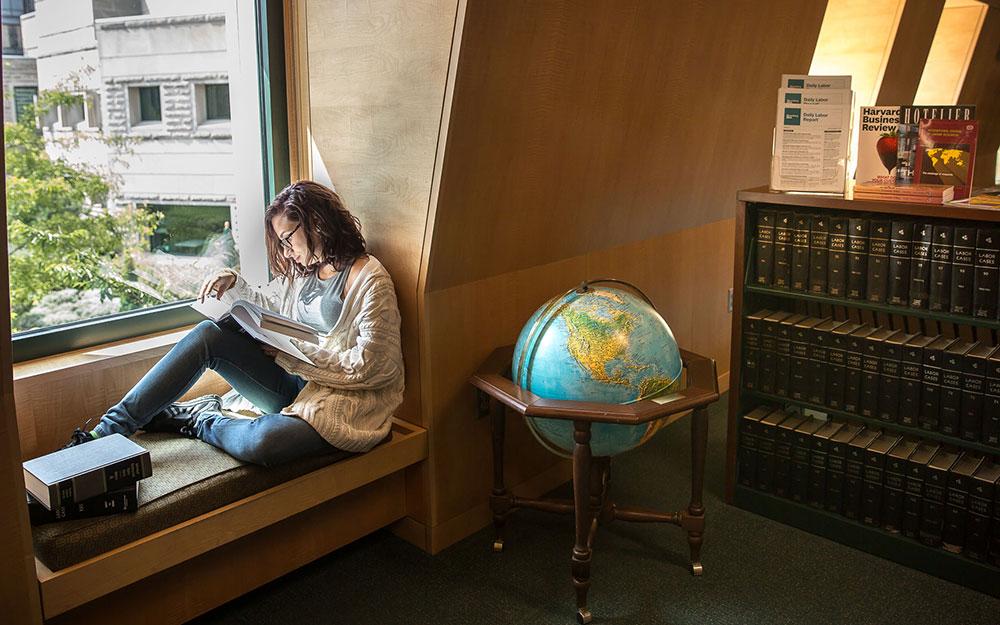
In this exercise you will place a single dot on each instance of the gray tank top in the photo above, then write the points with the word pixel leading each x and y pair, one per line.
pixel 320 301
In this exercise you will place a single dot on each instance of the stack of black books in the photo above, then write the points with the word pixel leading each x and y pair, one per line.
pixel 95 479
pixel 941 266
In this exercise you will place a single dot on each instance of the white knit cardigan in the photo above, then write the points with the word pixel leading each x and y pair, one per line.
pixel 356 382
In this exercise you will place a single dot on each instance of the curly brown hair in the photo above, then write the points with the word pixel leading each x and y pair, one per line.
pixel 322 214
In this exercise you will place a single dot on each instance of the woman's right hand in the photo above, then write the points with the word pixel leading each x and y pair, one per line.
pixel 217 285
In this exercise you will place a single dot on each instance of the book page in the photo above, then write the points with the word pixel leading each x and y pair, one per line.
pixel 284 343
pixel 216 309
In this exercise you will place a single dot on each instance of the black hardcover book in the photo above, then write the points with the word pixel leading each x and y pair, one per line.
pixel 899 263
pixel 962 270
pixel 877 287
pixel 749 424
pixel 984 293
pixel 857 257
pixel 752 326
pixel 870 357
pixel 956 513
pixel 935 492
pixel 913 499
pixel 871 500
pixel 889 376
pixel 836 356
pixel 974 365
pixel 818 463
pixel 920 265
pixel 767 363
pixel 784 354
pixel 818 247
pixel 911 368
pixel 854 472
pixel 799 368
pixel 836 273
pixel 993 556
pixel 800 252
pixel 765 246
pixel 990 422
pixel 836 459
pixel 819 346
pixel 982 495
pixel 765 449
pixel 895 484
pixel 852 375
pixel 784 441
pixel 113 502
pixel 801 458
pixel 952 362
pixel 930 394
pixel 941 254
pixel 783 250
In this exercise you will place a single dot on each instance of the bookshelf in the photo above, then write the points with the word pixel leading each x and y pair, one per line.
pixel 880 496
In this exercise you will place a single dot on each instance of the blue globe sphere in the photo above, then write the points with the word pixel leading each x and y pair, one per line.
pixel 600 343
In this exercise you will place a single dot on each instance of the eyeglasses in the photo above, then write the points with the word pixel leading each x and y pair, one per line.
pixel 286 241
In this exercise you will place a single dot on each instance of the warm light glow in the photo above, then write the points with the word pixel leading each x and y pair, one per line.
pixel 951 51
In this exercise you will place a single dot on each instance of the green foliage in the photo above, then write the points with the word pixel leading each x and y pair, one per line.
pixel 60 235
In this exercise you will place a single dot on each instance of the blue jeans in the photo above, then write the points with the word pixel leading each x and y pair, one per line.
pixel 271 439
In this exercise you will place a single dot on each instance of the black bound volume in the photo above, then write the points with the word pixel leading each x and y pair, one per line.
pixel 765 246
pixel 920 265
pixel 800 252
pixel 877 289
pixel 962 270
pixel 930 394
pixel 941 255
pixel 852 375
pixel 982 494
pixel 818 463
pixel 836 274
pixel 799 368
pixel 857 257
pixel 836 357
pixel 818 245
pixel 956 513
pixel 984 294
pixel 752 326
pixel 990 422
pixel 801 458
pixel 854 472
pixel 899 263
pixel 870 356
pixel 784 347
pixel 889 374
pixel 113 502
pixel 749 426
pixel 765 449
pixel 913 500
pixel 895 484
pixel 875 454
pixel 836 457
pixel 818 352
pixel 974 365
pixel 782 276
pixel 935 490
pixel 767 361
pixel 784 441
pixel 952 361
pixel 910 378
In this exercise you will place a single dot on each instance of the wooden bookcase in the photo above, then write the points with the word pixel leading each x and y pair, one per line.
pixel 750 297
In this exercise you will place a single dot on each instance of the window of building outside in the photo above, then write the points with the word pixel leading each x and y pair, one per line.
pixel 141 216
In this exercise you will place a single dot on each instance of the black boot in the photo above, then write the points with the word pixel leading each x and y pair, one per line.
pixel 80 436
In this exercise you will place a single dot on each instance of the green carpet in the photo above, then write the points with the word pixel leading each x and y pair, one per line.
pixel 756 570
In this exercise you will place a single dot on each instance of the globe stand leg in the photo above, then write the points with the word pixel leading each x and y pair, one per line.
pixel 500 501
pixel 695 521
pixel 580 563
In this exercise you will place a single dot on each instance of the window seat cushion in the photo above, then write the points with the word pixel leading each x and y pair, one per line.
pixel 189 478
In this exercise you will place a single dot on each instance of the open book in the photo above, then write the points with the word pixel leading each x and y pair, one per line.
pixel 264 325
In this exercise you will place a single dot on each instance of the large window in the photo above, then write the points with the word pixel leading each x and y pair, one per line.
pixel 118 203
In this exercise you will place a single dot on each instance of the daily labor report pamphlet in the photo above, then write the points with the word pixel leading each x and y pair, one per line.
pixel 264 325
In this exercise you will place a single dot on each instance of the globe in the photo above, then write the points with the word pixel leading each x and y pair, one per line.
pixel 602 342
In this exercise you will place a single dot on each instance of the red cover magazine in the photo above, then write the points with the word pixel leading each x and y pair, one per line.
pixel 946 154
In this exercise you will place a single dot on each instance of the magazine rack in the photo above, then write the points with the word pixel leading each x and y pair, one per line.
pixel 591 476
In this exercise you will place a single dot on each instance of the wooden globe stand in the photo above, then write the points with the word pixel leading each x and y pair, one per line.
pixel 591 476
